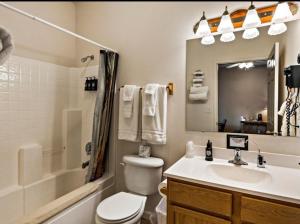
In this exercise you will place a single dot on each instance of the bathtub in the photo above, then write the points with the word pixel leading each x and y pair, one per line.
pixel 17 201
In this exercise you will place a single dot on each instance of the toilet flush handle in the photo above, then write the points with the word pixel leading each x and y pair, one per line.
pixel 122 164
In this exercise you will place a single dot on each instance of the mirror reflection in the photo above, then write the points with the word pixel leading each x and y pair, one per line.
pixel 240 86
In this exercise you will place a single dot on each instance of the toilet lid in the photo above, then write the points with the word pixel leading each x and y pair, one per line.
pixel 119 207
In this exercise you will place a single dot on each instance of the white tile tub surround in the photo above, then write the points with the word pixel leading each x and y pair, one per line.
pixel 11 204
pixel 30 164
pixel 72 137
pixel 33 95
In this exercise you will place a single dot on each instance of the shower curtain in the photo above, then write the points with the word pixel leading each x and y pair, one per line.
pixel 102 114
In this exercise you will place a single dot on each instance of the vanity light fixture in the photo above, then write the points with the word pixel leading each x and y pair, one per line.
pixel 208 40
pixel 226 27
pixel 227 37
pixel 203 29
pixel 250 33
pixel 277 28
pixel 250 23
pixel 281 14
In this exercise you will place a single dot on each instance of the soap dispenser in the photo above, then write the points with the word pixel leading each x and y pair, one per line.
pixel 209 151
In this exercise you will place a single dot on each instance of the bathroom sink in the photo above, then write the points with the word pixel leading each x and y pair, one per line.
pixel 239 174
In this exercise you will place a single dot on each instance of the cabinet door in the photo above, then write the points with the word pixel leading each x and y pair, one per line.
pixel 265 212
pixel 200 198
pixel 178 215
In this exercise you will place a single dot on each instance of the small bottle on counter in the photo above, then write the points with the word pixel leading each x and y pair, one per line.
pixel 209 151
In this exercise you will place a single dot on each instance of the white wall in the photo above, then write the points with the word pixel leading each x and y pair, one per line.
pixel 37 41
pixel 151 38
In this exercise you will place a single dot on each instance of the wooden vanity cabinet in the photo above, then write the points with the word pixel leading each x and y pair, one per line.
pixel 190 203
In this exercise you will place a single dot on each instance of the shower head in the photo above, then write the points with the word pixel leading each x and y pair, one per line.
pixel 90 57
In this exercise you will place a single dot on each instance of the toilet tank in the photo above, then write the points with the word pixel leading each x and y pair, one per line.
pixel 142 175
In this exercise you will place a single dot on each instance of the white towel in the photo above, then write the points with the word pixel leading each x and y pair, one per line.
pixel 198 72
pixel 129 126
pixel 154 128
pixel 195 89
pixel 150 99
pixel 127 94
pixel 201 94
pixel 197 85
pixel 198 80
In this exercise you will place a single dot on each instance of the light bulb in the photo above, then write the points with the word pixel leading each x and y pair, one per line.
pixel 225 25
pixel 252 19
pixel 276 29
pixel 227 37
pixel 282 13
pixel 250 33
pixel 208 40
pixel 203 29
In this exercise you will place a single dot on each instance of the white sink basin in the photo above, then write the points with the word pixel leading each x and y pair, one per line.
pixel 240 174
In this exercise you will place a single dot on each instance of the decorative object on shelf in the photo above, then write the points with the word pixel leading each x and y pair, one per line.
pixel 249 20
pixel 198 92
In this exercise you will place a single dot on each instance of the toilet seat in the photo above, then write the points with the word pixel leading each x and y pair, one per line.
pixel 120 207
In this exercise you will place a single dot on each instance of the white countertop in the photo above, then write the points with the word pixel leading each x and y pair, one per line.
pixel 282 183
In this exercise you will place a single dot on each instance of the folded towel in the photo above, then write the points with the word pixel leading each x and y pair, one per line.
pixel 197 85
pixel 154 128
pixel 150 99
pixel 129 126
pixel 196 89
pixel 198 72
pixel 198 75
pixel 127 93
pixel 196 80
pixel 202 94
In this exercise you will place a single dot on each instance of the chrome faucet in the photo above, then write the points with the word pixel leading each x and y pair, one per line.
pixel 237 160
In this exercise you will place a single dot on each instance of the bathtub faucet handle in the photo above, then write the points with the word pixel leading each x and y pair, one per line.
pixel 85 164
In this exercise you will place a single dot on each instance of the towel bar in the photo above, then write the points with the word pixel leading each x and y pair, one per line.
pixel 170 88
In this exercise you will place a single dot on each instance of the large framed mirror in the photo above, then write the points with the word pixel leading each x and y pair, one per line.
pixel 239 86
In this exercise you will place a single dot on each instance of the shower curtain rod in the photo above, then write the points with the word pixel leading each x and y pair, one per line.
pixel 7 6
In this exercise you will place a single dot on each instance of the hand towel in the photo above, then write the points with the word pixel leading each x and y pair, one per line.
pixel 154 128
pixel 197 85
pixel 198 80
pixel 129 128
pixel 198 72
pixel 150 99
pixel 127 94
pixel 195 89
pixel 202 94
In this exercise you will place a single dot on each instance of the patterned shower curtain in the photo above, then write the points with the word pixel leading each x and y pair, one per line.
pixel 102 114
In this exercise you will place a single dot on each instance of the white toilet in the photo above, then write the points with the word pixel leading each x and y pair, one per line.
pixel 142 176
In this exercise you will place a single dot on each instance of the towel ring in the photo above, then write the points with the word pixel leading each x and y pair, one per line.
pixel 7 45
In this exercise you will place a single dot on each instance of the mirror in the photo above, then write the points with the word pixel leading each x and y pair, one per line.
pixel 239 86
